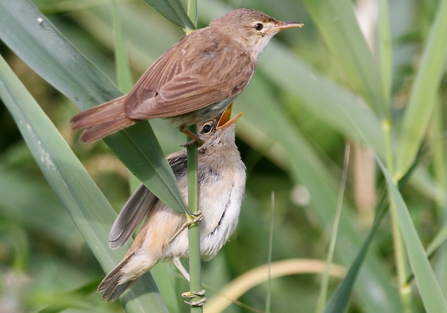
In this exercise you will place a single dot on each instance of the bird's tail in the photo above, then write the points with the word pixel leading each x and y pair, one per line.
pixel 112 286
pixel 102 120
pixel 127 272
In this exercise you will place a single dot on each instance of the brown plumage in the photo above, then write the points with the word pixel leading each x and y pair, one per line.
pixel 194 80
pixel 221 176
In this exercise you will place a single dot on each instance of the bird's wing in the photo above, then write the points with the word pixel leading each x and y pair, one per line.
pixel 183 80
pixel 178 162
pixel 131 215
pixel 140 203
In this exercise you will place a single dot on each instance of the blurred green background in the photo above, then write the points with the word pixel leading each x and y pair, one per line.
pixel 290 145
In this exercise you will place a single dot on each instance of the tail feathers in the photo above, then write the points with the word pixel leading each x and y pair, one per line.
pixel 99 114
pixel 111 285
pixel 102 130
pixel 102 120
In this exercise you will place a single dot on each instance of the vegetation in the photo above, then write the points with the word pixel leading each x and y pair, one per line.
pixel 378 91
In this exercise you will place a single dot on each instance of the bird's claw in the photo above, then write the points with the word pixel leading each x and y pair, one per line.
pixel 194 142
pixel 196 217
pixel 200 294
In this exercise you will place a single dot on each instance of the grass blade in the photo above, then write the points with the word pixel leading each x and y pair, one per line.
pixel 173 10
pixel 123 73
pixel 332 103
pixel 385 50
pixel 31 36
pixel 81 197
pixel 341 32
pixel 330 255
pixel 305 168
pixel 423 94
pixel 434 245
pixel 340 299
pixel 427 284
pixel 69 300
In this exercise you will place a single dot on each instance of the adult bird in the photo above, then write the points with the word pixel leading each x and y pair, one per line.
pixel 194 80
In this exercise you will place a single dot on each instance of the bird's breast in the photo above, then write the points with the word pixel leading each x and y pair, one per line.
pixel 221 187
pixel 220 194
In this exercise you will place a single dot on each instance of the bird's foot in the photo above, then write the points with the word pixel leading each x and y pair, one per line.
pixel 196 140
pixel 193 217
pixel 200 294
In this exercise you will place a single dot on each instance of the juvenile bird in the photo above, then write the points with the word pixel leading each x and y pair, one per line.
pixel 194 80
pixel 221 183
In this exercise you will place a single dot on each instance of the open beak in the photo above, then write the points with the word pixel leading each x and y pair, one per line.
pixel 225 121
pixel 284 25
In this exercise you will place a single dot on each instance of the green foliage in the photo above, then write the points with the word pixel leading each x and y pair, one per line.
pixel 314 88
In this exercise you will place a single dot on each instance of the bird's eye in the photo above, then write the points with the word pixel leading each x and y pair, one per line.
pixel 206 128
pixel 259 26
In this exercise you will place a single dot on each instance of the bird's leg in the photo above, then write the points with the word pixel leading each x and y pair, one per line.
pixel 193 217
pixel 196 140
pixel 201 294
pixel 181 268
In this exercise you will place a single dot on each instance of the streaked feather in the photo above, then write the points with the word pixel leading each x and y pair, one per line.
pixel 130 216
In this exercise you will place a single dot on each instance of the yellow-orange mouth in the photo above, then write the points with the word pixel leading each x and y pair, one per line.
pixel 225 121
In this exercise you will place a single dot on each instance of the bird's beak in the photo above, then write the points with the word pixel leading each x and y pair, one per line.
pixel 284 25
pixel 225 121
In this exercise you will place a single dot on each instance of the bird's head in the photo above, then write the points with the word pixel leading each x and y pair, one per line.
pixel 251 28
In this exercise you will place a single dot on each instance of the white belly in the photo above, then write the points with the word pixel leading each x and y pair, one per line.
pixel 220 197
